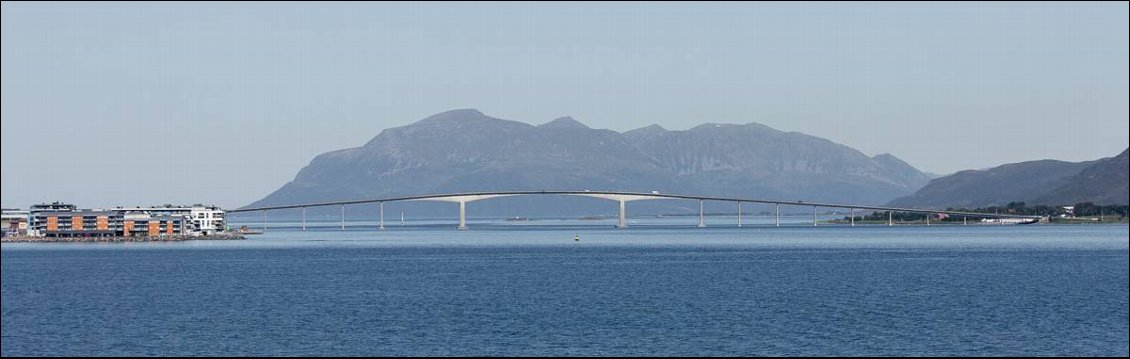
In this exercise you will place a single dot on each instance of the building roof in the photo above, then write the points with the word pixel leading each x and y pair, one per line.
pixel 84 212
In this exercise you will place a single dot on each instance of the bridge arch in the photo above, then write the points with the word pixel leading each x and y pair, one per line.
pixel 622 198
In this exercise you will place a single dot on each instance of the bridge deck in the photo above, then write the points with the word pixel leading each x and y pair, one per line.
pixel 624 197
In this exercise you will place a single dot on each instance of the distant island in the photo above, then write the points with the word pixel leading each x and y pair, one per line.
pixel 466 150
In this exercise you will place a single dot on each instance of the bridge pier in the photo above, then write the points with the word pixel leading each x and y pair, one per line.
pixel 739 214
pixel 928 219
pixel 264 221
pixel 623 215
pixel 701 223
pixel 853 217
pixel 814 216
pixel 778 218
pixel 343 217
pixel 303 218
pixel 462 215
pixel 890 218
pixel 964 221
pixel 382 227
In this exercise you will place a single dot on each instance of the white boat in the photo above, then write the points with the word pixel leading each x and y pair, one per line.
pixel 1009 220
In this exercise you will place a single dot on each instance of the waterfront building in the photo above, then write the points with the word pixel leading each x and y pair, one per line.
pixel 35 223
pixel 202 219
pixel 66 220
pixel 14 222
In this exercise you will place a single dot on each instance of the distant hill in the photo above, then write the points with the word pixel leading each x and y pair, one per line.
pixel 1047 182
pixel 758 161
pixel 465 150
pixel 1105 182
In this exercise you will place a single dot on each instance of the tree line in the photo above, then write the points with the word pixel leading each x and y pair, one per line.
pixel 1084 209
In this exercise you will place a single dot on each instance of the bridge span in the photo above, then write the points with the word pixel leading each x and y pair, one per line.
pixel 622 198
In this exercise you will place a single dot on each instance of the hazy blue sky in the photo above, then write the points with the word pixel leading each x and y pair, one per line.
pixel 125 103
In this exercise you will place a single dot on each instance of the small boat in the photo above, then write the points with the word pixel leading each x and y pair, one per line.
pixel 246 230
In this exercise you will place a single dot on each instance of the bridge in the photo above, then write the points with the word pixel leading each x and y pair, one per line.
pixel 622 198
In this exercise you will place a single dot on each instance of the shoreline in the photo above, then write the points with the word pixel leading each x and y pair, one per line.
pixel 118 239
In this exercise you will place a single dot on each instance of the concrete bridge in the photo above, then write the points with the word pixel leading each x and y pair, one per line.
pixel 622 198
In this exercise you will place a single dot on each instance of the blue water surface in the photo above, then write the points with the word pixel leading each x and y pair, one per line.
pixel 530 289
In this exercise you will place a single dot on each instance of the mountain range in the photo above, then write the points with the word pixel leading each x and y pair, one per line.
pixel 465 150
pixel 1047 182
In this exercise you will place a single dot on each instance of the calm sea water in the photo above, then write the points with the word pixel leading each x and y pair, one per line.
pixel 530 289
